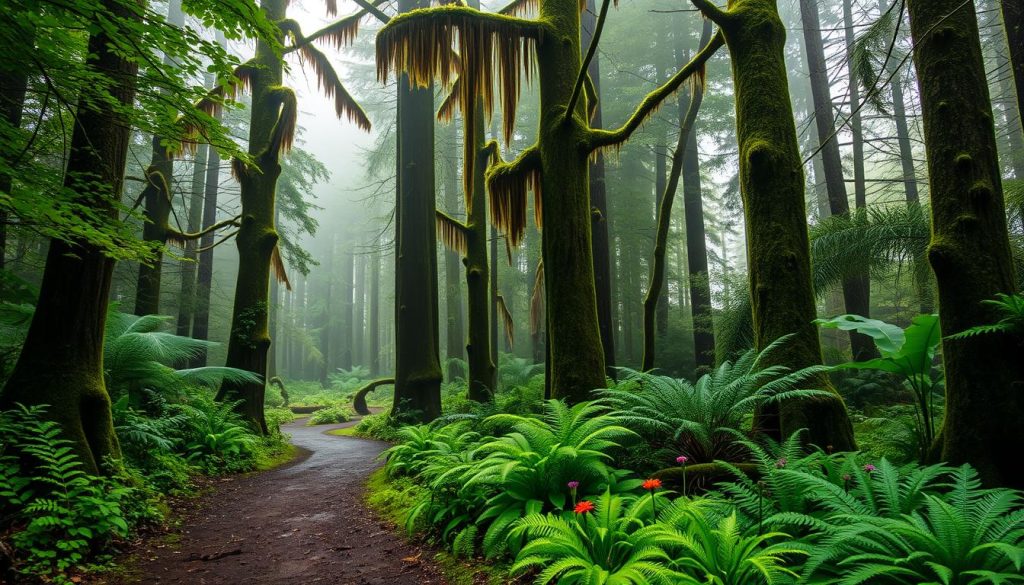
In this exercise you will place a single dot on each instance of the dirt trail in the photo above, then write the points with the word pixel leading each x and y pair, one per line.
pixel 302 523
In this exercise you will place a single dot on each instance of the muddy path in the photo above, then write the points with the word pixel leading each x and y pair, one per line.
pixel 301 523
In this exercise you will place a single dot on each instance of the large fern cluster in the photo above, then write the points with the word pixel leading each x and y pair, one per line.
pixel 701 420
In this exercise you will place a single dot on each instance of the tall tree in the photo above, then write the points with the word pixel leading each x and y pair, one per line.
pixel 347 305
pixel 772 188
pixel 272 124
pixel 157 197
pixel 417 365
pixel 452 262
pixel 599 204
pixel 13 89
pixel 688 109
pixel 855 290
pixel 61 361
pixel 970 249
pixel 556 168
pixel 470 241
pixel 187 293
pixel 359 311
pixel 1013 21
pixel 373 318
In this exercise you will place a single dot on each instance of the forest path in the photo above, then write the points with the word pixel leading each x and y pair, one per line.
pixel 301 523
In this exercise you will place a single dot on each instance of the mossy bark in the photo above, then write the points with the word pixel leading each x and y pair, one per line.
pixel 257 237
pixel 970 250
pixel 417 363
pixel 574 337
pixel 455 337
pixel 1013 21
pixel 482 372
pixel 599 209
pixel 61 362
pixel 772 187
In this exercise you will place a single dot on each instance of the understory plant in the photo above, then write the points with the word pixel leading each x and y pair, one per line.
pixel 61 516
pixel 700 420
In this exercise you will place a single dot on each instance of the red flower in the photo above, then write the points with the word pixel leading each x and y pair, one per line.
pixel 584 507
pixel 652 484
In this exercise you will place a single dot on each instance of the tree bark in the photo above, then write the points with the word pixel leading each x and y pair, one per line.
pixel 772 187
pixel 13 88
pixel 61 361
pixel 187 295
pixel 359 310
pixel 970 249
pixel 599 215
pixel 257 237
pixel 1013 21
pixel 417 365
pixel 347 307
pixel 482 371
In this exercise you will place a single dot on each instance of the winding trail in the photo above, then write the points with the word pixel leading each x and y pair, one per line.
pixel 301 523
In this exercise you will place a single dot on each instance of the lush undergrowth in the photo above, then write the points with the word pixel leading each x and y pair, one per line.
pixel 56 519
pixel 656 482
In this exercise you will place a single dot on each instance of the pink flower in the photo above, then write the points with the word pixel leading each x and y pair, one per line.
pixel 573 484
pixel 869 468
pixel 781 463
pixel 682 459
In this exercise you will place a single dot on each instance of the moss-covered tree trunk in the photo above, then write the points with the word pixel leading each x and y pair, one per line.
pixel 257 237
pixel 373 314
pixel 574 335
pixel 61 362
pixel 417 365
pixel 970 250
pixel 204 270
pixel 157 197
pixel 482 372
pixel 599 205
pixel 772 187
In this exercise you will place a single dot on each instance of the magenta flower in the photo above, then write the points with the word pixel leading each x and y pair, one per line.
pixel 869 468
pixel 781 463
pixel 573 484
pixel 682 459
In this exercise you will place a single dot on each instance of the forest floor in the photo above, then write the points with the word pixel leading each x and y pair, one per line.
pixel 304 522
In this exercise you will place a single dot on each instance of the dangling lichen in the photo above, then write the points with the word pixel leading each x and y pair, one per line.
pixel 283 135
pixel 506 319
pixel 453 233
pixel 327 79
pixel 537 300
pixel 508 184
pixel 280 272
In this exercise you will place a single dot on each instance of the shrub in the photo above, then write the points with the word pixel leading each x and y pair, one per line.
pixel 62 515
pixel 378 426
pixel 330 415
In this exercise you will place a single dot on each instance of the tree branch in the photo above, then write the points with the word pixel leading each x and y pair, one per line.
pixel 591 51
pixel 175 236
pixel 713 12
pixel 604 138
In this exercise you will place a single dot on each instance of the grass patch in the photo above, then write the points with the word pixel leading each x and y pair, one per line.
pixel 275 458
pixel 345 432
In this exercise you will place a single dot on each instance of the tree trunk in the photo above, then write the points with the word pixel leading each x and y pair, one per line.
pixel 257 237
pixel 359 322
pixel 493 323
pixel 13 87
pixel 660 182
pixel 696 244
pixel 61 361
pixel 1013 22
pixel 347 322
pixel 599 203
pixel 688 109
pixel 157 196
pixel 204 272
pixel 899 115
pixel 772 187
pixel 856 127
pixel 373 327
pixel 482 372
pixel 855 291
pixel 326 322
pixel 452 262
pixel 187 295
pixel 417 366
pixel 970 250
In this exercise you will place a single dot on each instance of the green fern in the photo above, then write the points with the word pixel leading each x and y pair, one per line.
pixel 1009 309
